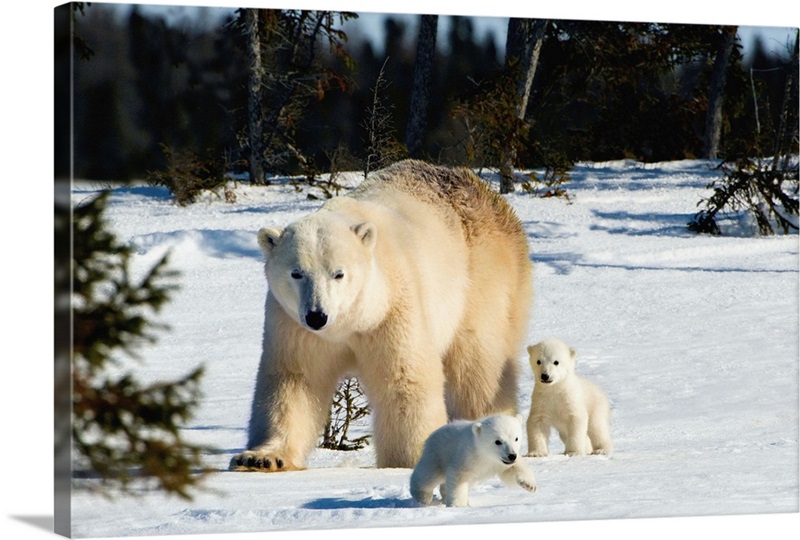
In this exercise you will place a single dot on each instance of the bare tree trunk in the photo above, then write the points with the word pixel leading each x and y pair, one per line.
pixel 523 45
pixel 255 117
pixel 423 65
pixel 716 93
pixel 783 138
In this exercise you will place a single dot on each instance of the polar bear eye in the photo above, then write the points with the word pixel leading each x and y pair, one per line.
pixel 555 363
pixel 338 275
pixel 498 443
pixel 538 362
pixel 296 274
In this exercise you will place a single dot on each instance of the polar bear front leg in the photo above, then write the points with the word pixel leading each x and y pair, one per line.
pixel 296 380
pixel 405 387
pixel 402 420
pixel 286 420
pixel 538 429
pixel 519 475
pixel 575 436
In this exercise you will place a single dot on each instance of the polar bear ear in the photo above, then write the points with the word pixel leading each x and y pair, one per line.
pixel 476 428
pixel 572 353
pixel 531 348
pixel 268 239
pixel 367 233
pixel 519 417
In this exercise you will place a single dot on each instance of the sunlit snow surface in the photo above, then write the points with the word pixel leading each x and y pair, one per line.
pixel 694 338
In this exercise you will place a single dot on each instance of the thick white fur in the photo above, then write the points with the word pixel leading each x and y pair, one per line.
pixel 577 408
pixel 463 453
pixel 424 279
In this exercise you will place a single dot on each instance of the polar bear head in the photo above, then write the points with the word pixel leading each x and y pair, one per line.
pixel 552 361
pixel 317 267
pixel 499 437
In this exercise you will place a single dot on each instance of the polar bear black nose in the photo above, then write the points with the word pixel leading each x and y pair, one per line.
pixel 316 319
pixel 545 377
pixel 512 458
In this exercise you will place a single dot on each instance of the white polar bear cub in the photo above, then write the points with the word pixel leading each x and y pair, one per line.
pixel 577 408
pixel 463 452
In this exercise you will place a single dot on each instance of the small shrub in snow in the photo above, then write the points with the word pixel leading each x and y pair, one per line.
pixel 382 148
pixel 189 174
pixel 349 406
pixel 766 190
pixel 550 183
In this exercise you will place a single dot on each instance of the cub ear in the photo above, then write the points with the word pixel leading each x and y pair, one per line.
pixel 572 353
pixel 476 428
pixel 268 239
pixel 367 233
pixel 519 417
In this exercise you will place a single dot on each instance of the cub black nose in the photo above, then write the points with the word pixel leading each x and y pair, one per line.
pixel 545 377
pixel 512 458
pixel 316 319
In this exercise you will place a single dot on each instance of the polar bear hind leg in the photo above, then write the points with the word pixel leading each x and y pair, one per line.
pixel 481 365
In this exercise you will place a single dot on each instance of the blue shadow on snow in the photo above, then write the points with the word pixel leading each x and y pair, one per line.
pixel 331 503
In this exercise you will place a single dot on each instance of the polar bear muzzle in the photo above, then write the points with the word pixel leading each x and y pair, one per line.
pixel 509 459
pixel 316 319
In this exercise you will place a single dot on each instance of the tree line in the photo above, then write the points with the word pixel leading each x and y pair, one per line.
pixel 281 91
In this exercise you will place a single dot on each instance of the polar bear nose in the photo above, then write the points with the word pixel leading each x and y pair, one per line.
pixel 512 458
pixel 316 319
pixel 545 377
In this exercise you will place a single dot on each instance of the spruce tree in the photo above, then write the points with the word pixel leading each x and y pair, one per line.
pixel 122 429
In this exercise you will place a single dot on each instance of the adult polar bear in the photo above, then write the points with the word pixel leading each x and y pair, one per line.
pixel 419 283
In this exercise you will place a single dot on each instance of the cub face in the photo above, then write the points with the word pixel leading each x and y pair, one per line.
pixel 499 437
pixel 552 361
pixel 316 267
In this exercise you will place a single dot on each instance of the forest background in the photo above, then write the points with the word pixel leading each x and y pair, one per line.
pixel 152 89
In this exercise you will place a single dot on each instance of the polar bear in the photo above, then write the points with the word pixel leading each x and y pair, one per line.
pixel 419 283
pixel 576 407
pixel 462 453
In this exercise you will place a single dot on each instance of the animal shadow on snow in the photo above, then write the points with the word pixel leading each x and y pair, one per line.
pixel 336 503
pixel 647 224
pixel 562 263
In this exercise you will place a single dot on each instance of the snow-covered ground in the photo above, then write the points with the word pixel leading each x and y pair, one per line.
pixel 694 338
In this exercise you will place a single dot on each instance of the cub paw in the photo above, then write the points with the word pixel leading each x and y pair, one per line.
pixel 529 485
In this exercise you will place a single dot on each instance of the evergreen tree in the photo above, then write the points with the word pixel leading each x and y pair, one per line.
pixel 423 65
pixel 716 93
pixel 286 74
pixel 523 46
pixel 768 189
pixel 122 429
pixel 255 112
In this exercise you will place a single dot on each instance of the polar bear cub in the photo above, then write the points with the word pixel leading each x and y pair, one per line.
pixel 462 453
pixel 576 407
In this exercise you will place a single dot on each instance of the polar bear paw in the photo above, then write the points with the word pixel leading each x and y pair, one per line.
pixel 537 453
pixel 527 484
pixel 261 461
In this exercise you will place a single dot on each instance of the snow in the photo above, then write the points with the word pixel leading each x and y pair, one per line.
pixel 694 338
